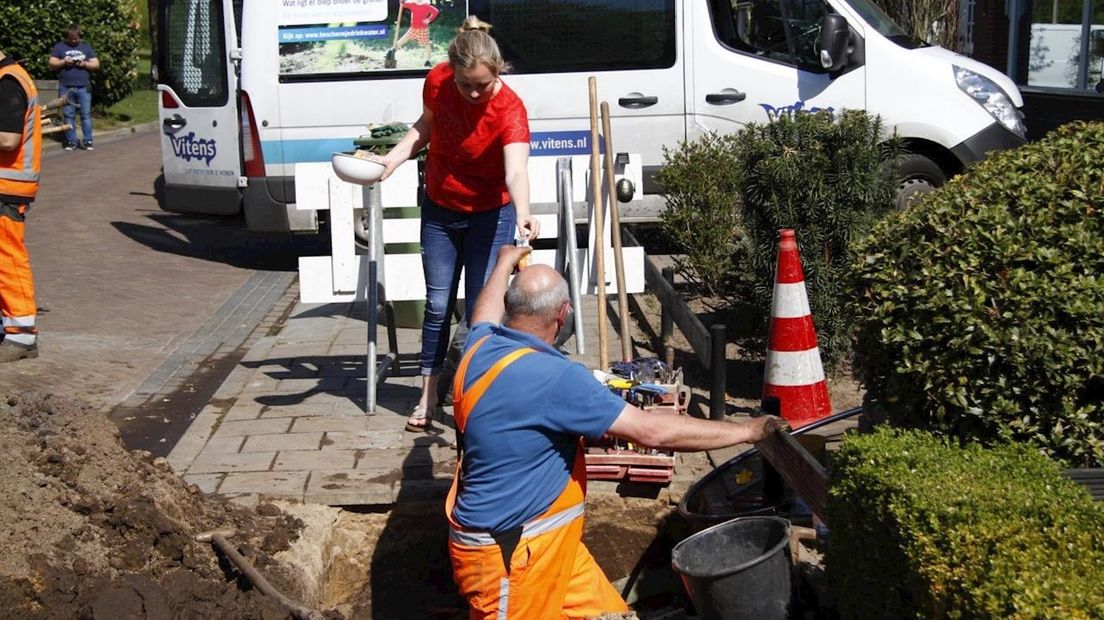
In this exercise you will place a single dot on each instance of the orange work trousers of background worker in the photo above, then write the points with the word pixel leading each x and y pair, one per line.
pixel 17 299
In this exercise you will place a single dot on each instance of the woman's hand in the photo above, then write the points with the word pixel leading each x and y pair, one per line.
pixel 528 227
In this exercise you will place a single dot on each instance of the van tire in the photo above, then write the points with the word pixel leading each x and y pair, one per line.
pixel 918 175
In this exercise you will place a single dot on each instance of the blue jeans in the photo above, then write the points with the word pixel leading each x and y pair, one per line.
pixel 450 241
pixel 78 97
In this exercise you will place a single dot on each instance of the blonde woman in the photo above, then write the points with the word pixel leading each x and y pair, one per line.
pixel 476 187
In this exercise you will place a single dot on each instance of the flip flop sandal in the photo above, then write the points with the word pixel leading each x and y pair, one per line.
pixel 418 422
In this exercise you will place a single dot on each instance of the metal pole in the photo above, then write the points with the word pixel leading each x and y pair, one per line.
pixel 567 229
pixel 667 322
pixel 717 367
pixel 372 206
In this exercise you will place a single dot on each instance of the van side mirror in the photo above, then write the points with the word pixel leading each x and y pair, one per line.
pixel 835 37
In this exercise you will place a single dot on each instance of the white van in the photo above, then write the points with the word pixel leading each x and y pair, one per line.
pixel 249 88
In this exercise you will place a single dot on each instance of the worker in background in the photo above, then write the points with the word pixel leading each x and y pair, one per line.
pixel 515 510
pixel 20 159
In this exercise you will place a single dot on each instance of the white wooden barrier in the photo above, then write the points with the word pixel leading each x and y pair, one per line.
pixel 343 276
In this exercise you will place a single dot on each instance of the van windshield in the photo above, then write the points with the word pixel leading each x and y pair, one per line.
pixel 885 25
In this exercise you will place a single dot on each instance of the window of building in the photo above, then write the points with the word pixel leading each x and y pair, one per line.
pixel 1062 45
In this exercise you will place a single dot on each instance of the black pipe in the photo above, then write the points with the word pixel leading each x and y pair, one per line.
pixel 717 366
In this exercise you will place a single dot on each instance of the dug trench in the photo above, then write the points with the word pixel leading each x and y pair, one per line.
pixel 94 530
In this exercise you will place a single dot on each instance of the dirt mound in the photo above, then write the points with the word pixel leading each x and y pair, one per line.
pixel 94 531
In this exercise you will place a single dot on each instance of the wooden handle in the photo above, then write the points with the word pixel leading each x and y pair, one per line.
pixel 803 473
pixel 615 225
pixel 599 225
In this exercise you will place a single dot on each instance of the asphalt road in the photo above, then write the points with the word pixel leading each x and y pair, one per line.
pixel 123 286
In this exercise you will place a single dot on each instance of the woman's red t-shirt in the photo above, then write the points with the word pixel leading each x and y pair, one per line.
pixel 465 168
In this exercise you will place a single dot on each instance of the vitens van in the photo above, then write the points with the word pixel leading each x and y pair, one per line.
pixel 248 88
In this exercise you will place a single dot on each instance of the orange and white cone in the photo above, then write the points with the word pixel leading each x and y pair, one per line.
pixel 794 375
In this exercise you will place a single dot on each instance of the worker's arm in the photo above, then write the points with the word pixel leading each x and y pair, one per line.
pixel 13 111
pixel 516 155
pixel 91 64
pixel 56 63
pixel 490 306
pixel 415 140
pixel 686 434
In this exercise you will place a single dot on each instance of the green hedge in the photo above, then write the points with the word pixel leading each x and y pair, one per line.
pixel 701 184
pixel 982 307
pixel 111 27
pixel 923 529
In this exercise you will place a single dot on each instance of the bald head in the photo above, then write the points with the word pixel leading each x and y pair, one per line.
pixel 537 292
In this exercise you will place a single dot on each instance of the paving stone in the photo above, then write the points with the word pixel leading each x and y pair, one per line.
pixel 207 483
pixel 306 409
pixel 373 440
pixel 248 411
pixel 224 444
pixel 254 427
pixel 394 459
pixel 188 447
pixel 247 500
pixel 210 463
pixel 334 423
pixel 282 442
pixel 348 487
pixel 421 490
pixel 276 483
pixel 306 460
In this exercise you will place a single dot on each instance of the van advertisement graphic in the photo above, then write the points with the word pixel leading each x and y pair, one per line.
pixel 358 36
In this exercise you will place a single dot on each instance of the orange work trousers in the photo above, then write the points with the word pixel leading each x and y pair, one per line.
pixel 552 576
pixel 17 300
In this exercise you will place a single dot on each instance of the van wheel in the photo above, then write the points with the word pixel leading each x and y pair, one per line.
pixel 360 232
pixel 918 176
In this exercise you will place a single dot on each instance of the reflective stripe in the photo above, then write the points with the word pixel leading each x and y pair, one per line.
pixel 503 597
pixel 533 528
pixel 19 321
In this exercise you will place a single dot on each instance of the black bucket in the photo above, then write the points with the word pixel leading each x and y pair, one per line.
pixel 737 569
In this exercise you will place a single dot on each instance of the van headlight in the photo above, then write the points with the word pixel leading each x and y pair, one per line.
pixel 990 96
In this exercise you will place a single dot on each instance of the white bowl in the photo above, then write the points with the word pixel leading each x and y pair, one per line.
pixel 353 169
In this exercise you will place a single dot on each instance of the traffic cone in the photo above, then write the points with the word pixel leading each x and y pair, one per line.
pixel 794 376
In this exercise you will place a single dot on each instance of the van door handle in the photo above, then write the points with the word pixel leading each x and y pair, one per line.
pixel 637 102
pixel 727 98
pixel 175 122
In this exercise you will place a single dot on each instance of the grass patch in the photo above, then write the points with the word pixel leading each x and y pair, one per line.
pixel 139 108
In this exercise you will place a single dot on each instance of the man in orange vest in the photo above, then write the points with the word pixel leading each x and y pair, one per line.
pixel 515 510
pixel 20 161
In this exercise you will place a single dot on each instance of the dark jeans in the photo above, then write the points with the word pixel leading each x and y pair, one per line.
pixel 79 100
pixel 452 241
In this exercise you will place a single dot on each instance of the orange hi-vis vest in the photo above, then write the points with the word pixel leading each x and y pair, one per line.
pixel 19 168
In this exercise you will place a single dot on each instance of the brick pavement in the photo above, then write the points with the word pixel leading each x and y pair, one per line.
pixel 289 422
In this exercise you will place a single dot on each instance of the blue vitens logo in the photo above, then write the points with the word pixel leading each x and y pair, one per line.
pixel 798 107
pixel 188 148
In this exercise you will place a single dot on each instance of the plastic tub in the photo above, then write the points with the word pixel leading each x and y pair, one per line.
pixel 738 569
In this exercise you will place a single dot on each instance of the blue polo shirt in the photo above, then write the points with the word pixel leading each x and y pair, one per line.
pixel 520 440
pixel 71 77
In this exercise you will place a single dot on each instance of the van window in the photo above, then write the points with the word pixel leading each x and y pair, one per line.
pixel 192 60
pixel 782 30
pixel 555 36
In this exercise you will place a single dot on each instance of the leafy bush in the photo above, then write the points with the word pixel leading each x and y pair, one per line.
pixel 924 529
pixel 826 177
pixel 702 220
pixel 982 307
pixel 110 26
